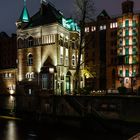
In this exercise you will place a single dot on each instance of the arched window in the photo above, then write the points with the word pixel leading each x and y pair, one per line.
pixel 30 60
pixel 32 75
pixel 73 60
pixel 30 41
pixel 28 75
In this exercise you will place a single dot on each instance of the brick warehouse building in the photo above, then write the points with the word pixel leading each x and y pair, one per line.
pixel 115 55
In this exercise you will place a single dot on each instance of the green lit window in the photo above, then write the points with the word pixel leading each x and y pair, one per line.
pixel 127 32
pixel 126 42
pixel 134 50
pixel 121 73
pixel 134 59
pixel 127 23
pixel 134 23
pixel 126 51
pixel 134 41
pixel 134 72
pixel 127 59
pixel 127 73
pixel 134 32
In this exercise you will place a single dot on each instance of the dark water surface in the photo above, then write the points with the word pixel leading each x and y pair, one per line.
pixel 23 130
pixel 29 130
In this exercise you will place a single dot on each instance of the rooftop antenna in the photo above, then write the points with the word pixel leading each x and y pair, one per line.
pixel 24 3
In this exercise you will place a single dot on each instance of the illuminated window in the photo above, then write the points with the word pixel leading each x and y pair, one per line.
pixel 28 75
pixel 93 28
pixel 102 27
pixel 127 32
pixel 134 41
pixel 113 25
pixel 121 72
pixel 134 50
pixel 126 51
pixel 30 60
pixel 67 59
pixel 134 72
pixel 73 60
pixel 120 51
pixel 32 75
pixel 127 73
pixel 134 32
pixel 10 75
pixel 6 75
pixel 127 59
pixel 61 55
pixel 86 29
pixel 134 58
pixel 134 23
pixel 126 23
pixel 126 41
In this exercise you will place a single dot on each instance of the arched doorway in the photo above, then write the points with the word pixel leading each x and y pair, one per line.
pixel 68 82
pixel 47 75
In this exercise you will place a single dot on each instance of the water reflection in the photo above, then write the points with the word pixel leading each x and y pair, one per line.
pixel 21 130
pixel 11 131
pixel 7 104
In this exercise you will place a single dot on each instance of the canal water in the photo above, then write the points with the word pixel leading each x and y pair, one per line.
pixel 22 130
pixel 13 129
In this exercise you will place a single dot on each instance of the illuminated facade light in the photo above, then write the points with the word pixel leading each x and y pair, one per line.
pixel 51 70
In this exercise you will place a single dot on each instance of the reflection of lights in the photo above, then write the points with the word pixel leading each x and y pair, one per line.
pixel 12 91
pixel 11 98
pixel 11 131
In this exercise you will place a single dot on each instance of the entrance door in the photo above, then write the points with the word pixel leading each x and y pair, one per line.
pixel 68 90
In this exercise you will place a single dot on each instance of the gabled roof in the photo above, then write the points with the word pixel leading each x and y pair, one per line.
pixel 24 15
pixel 47 14
pixel 103 15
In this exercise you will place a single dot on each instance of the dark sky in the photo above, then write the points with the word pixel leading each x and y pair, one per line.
pixel 10 10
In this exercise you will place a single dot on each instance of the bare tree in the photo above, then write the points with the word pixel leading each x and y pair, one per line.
pixel 84 11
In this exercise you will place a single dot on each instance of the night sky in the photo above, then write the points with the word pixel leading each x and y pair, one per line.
pixel 10 10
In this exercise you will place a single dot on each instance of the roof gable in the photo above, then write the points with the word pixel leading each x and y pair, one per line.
pixel 46 15
pixel 103 15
